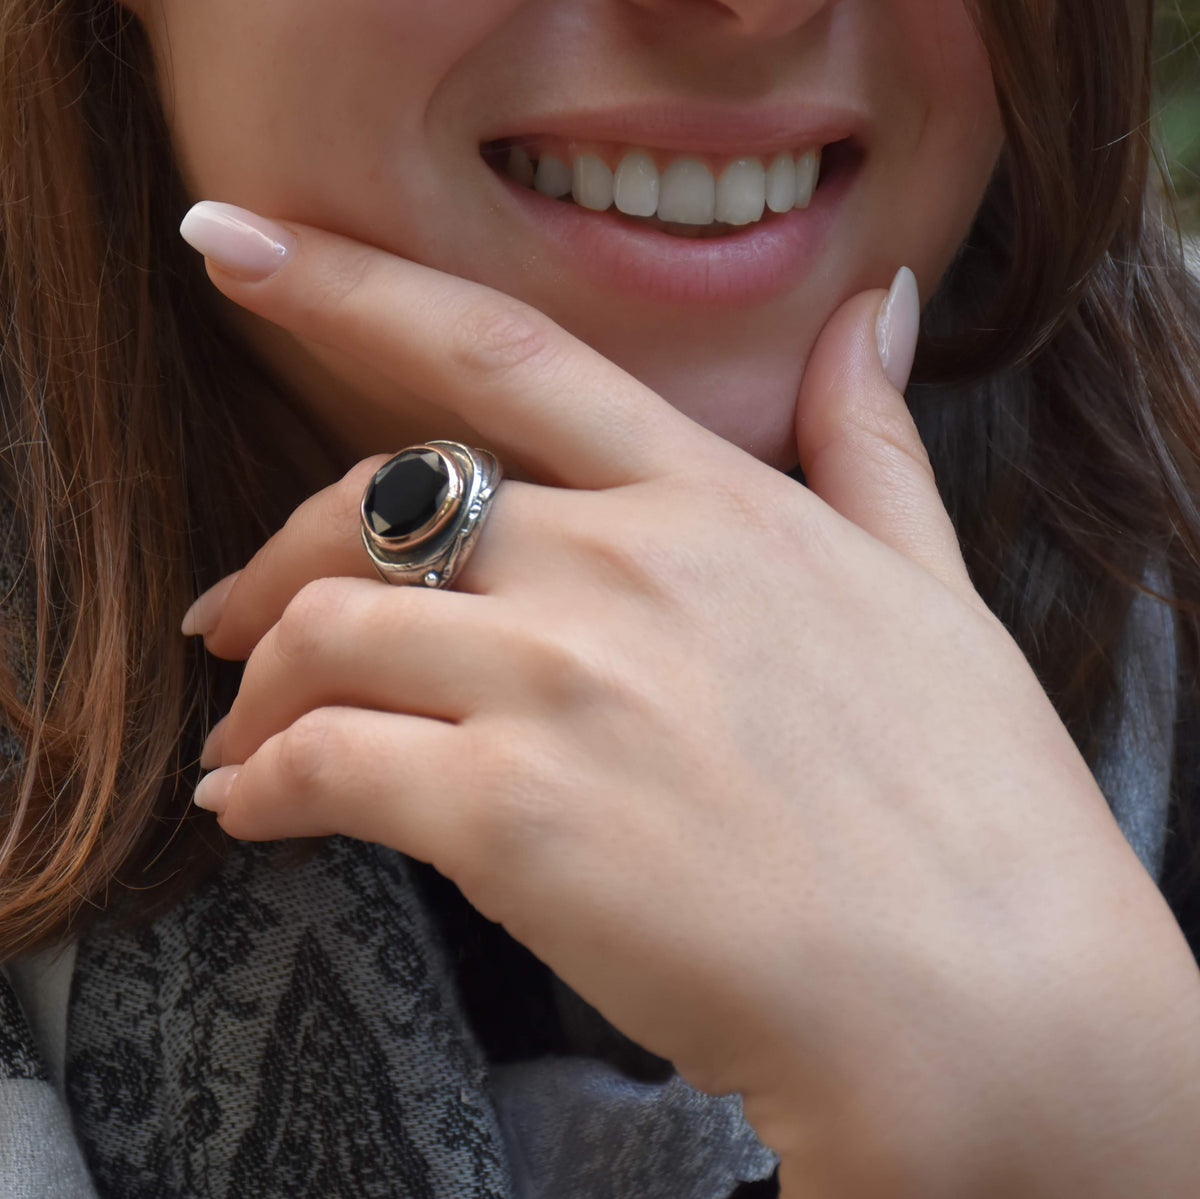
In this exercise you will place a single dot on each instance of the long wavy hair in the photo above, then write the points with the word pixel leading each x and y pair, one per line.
pixel 1057 390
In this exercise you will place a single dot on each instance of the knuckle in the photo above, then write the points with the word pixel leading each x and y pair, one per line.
pixel 491 340
pixel 605 680
pixel 306 752
pixel 563 672
pixel 649 565
pixel 305 623
pixel 513 806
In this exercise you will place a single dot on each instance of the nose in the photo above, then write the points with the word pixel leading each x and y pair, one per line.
pixel 765 18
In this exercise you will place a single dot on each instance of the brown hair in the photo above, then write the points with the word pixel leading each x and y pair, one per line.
pixel 129 416
pixel 1060 365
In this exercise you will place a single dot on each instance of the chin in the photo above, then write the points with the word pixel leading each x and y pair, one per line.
pixel 748 400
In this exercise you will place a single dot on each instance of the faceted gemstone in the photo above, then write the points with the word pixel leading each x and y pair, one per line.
pixel 407 493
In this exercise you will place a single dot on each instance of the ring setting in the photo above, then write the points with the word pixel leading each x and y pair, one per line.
pixel 423 510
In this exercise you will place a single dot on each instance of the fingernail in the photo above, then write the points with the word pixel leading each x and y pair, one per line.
pixel 203 616
pixel 238 241
pixel 212 791
pixel 210 752
pixel 897 327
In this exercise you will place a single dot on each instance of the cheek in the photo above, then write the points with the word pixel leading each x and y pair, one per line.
pixel 933 171
pixel 280 104
pixel 962 127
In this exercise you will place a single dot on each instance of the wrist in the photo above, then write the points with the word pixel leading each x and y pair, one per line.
pixel 1101 1100
pixel 1144 1143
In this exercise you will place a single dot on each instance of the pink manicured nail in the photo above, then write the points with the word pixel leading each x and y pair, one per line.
pixel 897 327
pixel 212 791
pixel 202 617
pixel 238 241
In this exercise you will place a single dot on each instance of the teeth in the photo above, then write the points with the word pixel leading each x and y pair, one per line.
pixel 553 177
pixel 781 183
pixel 686 193
pixel 742 192
pixel 635 185
pixel 808 169
pixel 592 183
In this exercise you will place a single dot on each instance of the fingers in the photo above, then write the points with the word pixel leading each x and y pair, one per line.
pixel 377 776
pixel 858 445
pixel 322 540
pixel 365 644
pixel 533 391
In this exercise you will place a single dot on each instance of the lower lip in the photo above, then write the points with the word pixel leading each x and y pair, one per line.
pixel 759 262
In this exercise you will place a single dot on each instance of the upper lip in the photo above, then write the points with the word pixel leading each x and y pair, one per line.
pixel 701 126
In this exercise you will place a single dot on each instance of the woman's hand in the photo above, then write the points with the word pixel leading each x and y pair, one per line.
pixel 748 764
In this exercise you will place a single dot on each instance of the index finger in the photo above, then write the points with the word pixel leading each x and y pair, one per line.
pixel 536 394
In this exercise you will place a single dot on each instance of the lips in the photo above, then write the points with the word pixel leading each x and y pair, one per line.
pixel 701 263
pixel 708 266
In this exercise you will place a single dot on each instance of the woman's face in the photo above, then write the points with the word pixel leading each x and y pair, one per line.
pixel 372 118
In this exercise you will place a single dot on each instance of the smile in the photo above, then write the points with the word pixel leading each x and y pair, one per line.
pixel 702 206
pixel 688 195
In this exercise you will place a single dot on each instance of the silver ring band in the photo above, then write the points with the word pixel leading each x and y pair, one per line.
pixel 422 512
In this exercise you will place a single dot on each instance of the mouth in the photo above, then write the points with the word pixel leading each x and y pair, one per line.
pixel 698 207
pixel 677 194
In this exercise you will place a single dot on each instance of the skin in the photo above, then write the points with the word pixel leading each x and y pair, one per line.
pixel 364 117
pixel 666 663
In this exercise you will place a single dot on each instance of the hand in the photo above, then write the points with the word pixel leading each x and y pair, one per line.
pixel 749 765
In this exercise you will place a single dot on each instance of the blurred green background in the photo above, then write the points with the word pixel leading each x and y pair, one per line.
pixel 1178 104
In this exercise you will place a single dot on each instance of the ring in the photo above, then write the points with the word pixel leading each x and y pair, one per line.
pixel 423 510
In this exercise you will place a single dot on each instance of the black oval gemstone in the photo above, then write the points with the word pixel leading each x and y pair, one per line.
pixel 406 493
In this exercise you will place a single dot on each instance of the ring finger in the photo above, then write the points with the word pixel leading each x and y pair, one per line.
pixel 321 539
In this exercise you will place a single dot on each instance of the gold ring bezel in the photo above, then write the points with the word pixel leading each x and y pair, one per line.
pixel 437 523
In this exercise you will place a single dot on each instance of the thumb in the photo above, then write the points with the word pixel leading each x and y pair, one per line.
pixel 858 446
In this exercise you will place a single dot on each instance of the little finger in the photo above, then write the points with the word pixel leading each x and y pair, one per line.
pixel 377 776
